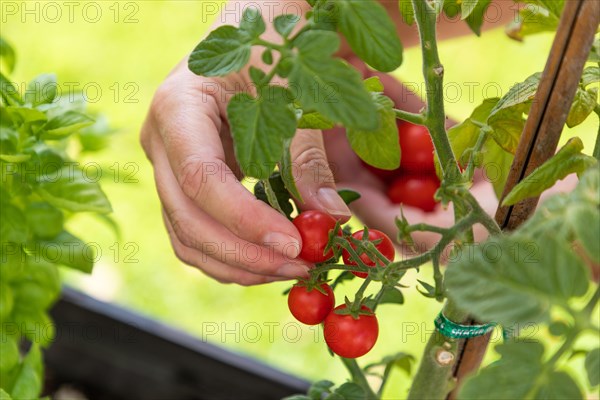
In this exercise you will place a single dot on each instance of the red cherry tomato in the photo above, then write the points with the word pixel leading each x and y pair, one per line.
pixel 417 148
pixel 314 227
pixel 311 306
pixel 386 247
pixel 348 337
pixel 415 191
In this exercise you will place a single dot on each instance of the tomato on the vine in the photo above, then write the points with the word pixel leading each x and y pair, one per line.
pixel 314 227
pixel 385 246
pixel 415 191
pixel 311 306
pixel 348 337
pixel 417 148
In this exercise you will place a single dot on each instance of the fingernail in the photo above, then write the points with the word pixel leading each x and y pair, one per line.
pixel 293 271
pixel 284 244
pixel 333 203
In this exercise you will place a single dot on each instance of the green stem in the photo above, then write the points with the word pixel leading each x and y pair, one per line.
pixel 359 294
pixel 358 377
pixel 417 119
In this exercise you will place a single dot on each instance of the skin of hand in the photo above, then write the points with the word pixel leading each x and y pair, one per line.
pixel 218 226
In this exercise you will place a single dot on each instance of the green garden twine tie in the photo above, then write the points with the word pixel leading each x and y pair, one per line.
pixel 457 331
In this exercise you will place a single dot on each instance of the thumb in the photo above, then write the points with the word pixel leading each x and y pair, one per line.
pixel 313 175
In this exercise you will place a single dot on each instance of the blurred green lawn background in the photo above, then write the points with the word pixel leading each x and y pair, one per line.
pixel 120 64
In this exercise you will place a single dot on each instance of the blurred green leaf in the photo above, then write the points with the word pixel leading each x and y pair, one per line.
pixel 66 124
pixel 349 391
pixel 568 160
pixel 538 17
pixel 314 120
pixel 44 220
pixel 392 295
pixel 28 384
pixel 252 24
pixel 592 366
pixel 9 92
pixel 4 395
pixel 284 24
pixel 583 105
pixel 370 33
pixel 13 225
pixel 329 85
pixel 595 51
pixel 496 163
pixel 515 280
pixel 6 300
pixel 67 250
pixel 24 115
pixel 73 191
pixel 41 90
pixel 381 147
pixel 348 195
pixel 590 75
pixel 407 11
pixel 520 93
pixel 259 127
pixel 7 55
pixel 467 7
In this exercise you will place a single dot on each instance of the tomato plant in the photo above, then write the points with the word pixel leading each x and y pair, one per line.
pixel 348 335
pixel 382 243
pixel 535 277
pixel 40 188
pixel 415 190
pixel 310 305
pixel 314 228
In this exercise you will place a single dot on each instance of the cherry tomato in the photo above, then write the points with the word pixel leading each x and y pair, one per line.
pixel 311 306
pixel 348 337
pixel 417 148
pixel 314 227
pixel 415 191
pixel 386 247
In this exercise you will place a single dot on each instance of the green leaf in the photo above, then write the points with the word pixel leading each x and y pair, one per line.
pixel 15 158
pixel 297 397
pixel 381 147
pixel 516 279
pixel 590 75
pixel 4 395
pixel 592 366
pixel 73 191
pixel 314 120
pixel 429 289
pixel 497 163
pixel 407 11
pixel 530 21
pixel 477 17
pixel 370 33
pixel 373 84
pixel 7 55
pixel 507 126
pixel 284 24
pixel 467 7
pixel 512 377
pixel 225 50
pixel 259 127
pixel 583 105
pixel 350 391
pixel 44 220
pixel 392 295
pixel 66 124
pixel 568 160
pixel 13 225
pixel 252 23
pixel 28 384
pixel 320 388
pixel 286 168
pixel 520 93
pixel 41 90
pixel 595 51
pixel 586 226
pixel 559 385
pixel 67 250
pixel 329 85
pixel 9 92
pixel 23 115
pixel 9 353
pixel 96 136
pixel 33 296
pixel 348 195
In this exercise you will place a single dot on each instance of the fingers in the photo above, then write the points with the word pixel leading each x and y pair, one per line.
pixel 190 126
pixel 198 231
pixel 213 268
pixel 314 177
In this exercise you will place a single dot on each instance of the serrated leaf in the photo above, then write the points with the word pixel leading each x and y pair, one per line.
pixel 66 124
pixel 590 75
pixel 507 126
pixel 583 105
pixel 225 50
pixel 407 11
pixel 259 126
pixel 518 94
pixel 592 366
pixel 41 90
pixel 515 280
pixel 370 33
pixel 381 147
pixel 568 160
pixel 348 195
pixel 73 191
pixel 284 24
pixel 252 24
pixel 7 55
pixel 314 120
pixel 328 85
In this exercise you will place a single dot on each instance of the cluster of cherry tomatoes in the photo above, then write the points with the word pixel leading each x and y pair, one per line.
pixel 414 183
pixel 348 333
